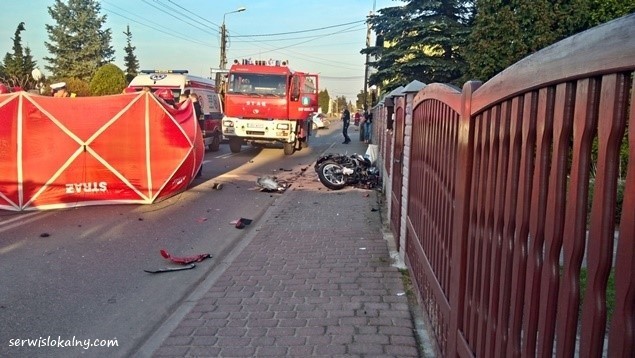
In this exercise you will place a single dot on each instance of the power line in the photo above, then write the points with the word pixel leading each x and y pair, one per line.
pixel 312 59
pixel 180 19
pixel 182 37
pixel 302 31
pixel 300 38
pixel 193 13
pixel 198 24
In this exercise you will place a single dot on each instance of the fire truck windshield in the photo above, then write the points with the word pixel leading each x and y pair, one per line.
pixel 257 84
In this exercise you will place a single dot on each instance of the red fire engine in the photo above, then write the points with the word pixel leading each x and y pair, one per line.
pixel 265 102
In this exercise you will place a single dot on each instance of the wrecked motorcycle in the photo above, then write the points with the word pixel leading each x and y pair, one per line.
pixel 336 171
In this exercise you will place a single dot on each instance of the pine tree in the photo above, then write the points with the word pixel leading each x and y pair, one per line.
pixel 132 64
pixel 18 65
pixel 422 40
pixel 78 44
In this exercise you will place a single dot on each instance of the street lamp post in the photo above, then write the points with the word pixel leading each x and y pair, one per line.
pixel 223 43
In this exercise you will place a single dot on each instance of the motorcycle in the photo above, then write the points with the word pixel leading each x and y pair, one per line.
pixel 336 171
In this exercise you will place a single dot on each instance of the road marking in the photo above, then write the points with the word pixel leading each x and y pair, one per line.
pixel 229 155
pixel 21 219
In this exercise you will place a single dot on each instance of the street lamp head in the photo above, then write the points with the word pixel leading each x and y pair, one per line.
pixel 240 9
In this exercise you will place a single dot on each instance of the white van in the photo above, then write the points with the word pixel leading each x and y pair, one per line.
pixel 179 81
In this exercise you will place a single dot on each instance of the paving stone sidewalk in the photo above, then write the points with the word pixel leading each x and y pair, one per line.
pixel 315 279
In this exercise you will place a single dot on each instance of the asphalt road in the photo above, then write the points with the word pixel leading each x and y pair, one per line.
pixel 79 273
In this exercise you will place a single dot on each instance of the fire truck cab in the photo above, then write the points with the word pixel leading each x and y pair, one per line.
pixel 180 81
pixel 265 102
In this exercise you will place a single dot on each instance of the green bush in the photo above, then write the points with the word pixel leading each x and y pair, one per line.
pixel 73 85
pixel 108 79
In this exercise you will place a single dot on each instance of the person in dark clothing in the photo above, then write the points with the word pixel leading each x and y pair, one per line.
pixel 197 106
pixel 346 121
pixel 368 126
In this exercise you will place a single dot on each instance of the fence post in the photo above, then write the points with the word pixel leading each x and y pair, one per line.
pixel 461 223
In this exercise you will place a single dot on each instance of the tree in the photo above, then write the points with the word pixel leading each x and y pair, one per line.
pixel 78 44
pixel 504 32
pixel 17 67
pixel 323 100
pixel 359 101
pixel 422 40
pixel 601 11
pixel 341 102
pixel 109 79
pixel 130 60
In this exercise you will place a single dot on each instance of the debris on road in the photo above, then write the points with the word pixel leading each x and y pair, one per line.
pixel 171 269
pixel 185 259
pixel 241 223
pixel 270 184
pixel 217 186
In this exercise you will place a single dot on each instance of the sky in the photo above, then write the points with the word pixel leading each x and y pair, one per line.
pixel 322 36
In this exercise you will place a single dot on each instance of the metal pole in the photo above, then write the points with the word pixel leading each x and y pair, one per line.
pixel 223 53
pixel 366 66
pixel 223 46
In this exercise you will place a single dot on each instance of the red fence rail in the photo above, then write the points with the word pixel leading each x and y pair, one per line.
pixel 521 205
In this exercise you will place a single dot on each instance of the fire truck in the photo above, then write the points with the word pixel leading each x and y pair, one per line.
pixel 180 81
pixel 268 102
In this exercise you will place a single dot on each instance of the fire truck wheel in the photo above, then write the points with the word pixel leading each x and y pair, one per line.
pixel 289 148
pixel 235 144
pixel 215 145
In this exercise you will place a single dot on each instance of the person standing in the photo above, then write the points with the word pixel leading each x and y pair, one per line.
pixel 362 126
pixel 346 121
pixel 368 126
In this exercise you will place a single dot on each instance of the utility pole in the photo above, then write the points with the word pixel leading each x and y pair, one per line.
pixel 223 46
pixel 366 66
pixel 223 54
pixel 366 70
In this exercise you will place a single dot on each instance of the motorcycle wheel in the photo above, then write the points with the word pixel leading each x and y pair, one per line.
pixel 330 175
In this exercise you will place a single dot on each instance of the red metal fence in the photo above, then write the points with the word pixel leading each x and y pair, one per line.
pixel 520 228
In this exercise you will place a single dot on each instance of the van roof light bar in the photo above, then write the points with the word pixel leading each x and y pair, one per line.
pixel 165 71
